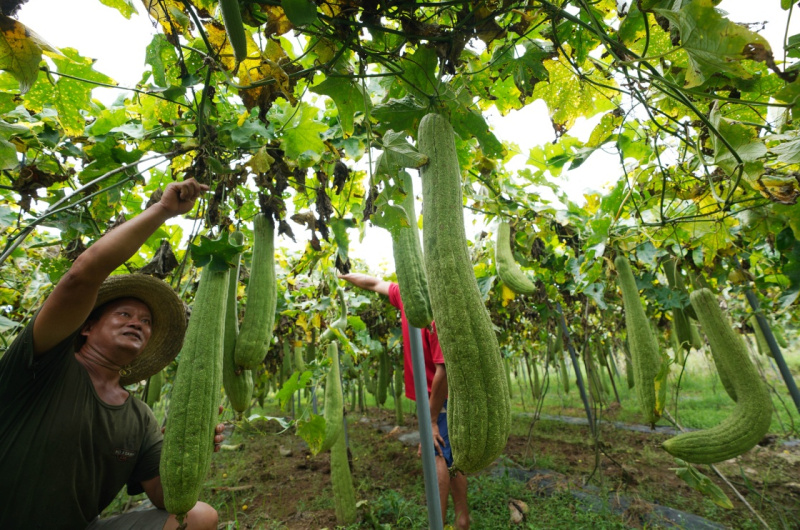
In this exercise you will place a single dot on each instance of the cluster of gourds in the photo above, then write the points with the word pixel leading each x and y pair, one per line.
pixel 751 417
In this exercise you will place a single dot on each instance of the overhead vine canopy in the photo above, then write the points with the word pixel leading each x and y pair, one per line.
pixel 698 108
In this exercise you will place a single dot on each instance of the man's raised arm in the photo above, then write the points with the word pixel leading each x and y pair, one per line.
pixel 369 283
pixel 72 299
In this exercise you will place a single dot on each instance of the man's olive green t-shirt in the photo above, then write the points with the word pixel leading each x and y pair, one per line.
pixel 64 453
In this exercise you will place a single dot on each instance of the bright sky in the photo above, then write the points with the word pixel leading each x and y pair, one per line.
pixel 119 46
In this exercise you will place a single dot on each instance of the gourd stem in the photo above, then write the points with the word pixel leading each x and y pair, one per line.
pixel 425 431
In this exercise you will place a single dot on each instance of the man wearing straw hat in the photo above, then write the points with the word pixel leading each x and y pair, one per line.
pixel 70 435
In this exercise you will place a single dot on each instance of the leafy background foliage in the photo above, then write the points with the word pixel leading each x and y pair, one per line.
pixel 313 127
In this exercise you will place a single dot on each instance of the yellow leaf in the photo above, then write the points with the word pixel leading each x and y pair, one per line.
pixel 161 10
pixel 508 295
pixel 20 52
pixel 302 322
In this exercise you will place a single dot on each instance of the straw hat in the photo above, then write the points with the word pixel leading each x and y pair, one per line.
pixel 169 321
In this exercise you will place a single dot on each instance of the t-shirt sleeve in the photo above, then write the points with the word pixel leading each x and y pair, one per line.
pixel 394 296
pixel 20 370
pixel 434 347
pixel 147 465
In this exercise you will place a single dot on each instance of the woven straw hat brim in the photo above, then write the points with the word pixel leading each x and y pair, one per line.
pixel 168 327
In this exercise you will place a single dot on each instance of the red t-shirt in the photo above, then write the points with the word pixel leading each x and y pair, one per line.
pixel 431 350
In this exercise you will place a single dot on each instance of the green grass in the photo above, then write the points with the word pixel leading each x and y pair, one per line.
pixel 488 500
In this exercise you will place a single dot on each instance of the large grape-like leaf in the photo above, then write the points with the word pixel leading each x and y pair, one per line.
pixel 349 97
pixel 569 97
pixel 714 43
pixel 301 132
pixel 20 52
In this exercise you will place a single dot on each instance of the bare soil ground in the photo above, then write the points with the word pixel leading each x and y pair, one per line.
pixel 272 481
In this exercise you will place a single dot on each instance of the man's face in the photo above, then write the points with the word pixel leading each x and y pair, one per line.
pixel 123 328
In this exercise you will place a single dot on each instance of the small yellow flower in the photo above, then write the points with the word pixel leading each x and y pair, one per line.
pixel 224 475
pixel 244 506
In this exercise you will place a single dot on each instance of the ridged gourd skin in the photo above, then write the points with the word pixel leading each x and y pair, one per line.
pixel 761 340
pixel 255 333
pixel 479 411
pixel 750 419
pixel 629 370
pixel 238 383
pixel 672 270
pixel 642 343
pixel 299 360
pixel 681 326
pixel 383 377
pixel 409 265
pixel 344 494
pixel 193 410
pixel 697 340
pixel 334 401
pixel 562 366
pixel 340 323
pixel 398 394
pixel 507 268
pixel 780 338
pixel 232 18
pixel 154 389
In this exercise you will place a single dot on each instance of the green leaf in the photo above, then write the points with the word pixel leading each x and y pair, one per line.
pixel 107 120
pixel 300 12
pixel 419 72
pixel 349 97
pixel 219 254
pixel 696 480
pixel 398 153
pixel 301 133
pixel 312 431
pixel 467 122
pixel 8 155
pixel 296 382
pixel 339 227
pixel 163 59
pixel 399 115
pixel 285 424
pixel 714 43
pixel 569 97
pixel 125 7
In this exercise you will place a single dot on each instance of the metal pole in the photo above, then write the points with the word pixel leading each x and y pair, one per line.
pixel 773 347
pixel 425 431
pixel 576 367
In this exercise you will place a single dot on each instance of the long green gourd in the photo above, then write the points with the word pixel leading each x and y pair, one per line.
pixel 408 263
pixel 643 345
pixel 479 411
pixel 751 417
pixel 154 389
pixel 344 494
pixel 232 17
pixel 761 340
pixel 681 326
pixel 193 410
pixel 238 383
pixel 398 393
pixel 383 377
pixel 334 402
pixel 259 314
pixel 507 268
pixel 562 366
